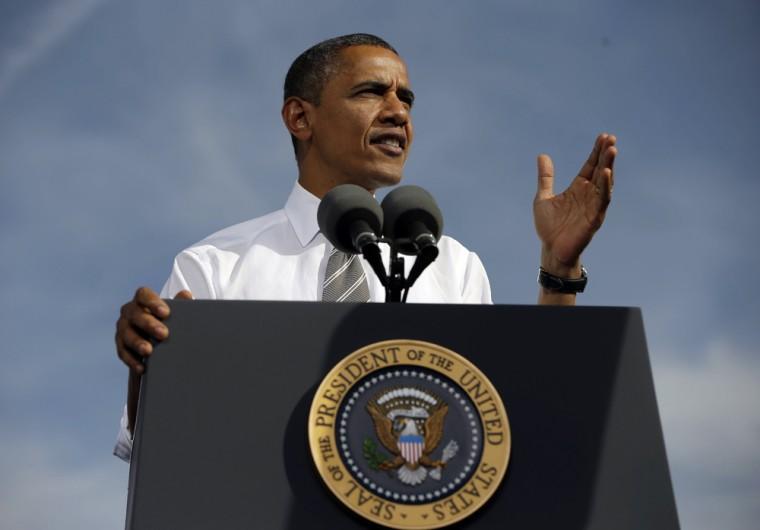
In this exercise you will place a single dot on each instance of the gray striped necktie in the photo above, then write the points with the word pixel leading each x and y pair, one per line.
pixel 345 280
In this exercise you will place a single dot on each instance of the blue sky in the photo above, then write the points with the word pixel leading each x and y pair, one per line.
pixel 131 130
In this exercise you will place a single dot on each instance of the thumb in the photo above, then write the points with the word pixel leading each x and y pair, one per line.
pixel 183 295
pixel 545 177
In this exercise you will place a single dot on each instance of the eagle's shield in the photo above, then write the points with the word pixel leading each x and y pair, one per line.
pixel 411 446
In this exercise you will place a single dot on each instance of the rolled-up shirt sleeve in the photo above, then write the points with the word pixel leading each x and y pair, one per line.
pixel 123 448
pixel 190 273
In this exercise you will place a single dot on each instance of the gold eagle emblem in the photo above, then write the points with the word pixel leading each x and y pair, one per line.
pixel 409 423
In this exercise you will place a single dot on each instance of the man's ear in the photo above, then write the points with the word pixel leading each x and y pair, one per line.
pixel 296 114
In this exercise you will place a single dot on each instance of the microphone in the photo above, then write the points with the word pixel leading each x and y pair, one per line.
pixel 412 219
pixel 414 223
pixel 352 220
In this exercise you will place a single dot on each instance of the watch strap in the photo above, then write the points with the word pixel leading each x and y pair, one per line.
pixel 562 285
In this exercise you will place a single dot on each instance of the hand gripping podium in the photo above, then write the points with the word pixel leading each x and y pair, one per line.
pixel 222 442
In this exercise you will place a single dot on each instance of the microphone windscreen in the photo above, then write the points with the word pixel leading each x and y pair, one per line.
pixel 404 209
pixel 341 208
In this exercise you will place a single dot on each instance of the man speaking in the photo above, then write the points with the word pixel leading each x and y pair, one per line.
pixel 347 106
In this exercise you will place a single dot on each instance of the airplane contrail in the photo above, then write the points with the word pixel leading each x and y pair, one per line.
pixel 44 30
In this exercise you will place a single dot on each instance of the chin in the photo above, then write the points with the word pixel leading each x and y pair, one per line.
pixel 384 179
pixel 386 182
pixel 375 176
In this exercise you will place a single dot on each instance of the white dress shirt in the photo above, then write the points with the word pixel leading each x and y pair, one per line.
pixel 283 256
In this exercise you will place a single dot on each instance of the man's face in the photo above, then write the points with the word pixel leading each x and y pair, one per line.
pixel 362 128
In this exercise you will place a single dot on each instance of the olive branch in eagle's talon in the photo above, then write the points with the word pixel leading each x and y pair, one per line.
pixel 374 458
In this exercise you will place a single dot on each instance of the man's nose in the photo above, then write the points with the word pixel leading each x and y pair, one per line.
pixel 394 111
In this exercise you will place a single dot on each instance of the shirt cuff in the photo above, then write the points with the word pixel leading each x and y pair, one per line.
pixel 123 448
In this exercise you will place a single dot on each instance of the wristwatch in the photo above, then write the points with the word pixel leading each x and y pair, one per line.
pixel 562 285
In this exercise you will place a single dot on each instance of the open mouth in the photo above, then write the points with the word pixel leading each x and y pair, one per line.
pixel 391 142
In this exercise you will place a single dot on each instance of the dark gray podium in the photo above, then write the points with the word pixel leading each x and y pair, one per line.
pixel 221 438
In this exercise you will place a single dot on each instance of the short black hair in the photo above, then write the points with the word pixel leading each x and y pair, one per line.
pixel 310 71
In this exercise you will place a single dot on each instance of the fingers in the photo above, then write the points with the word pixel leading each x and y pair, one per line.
pixel 138 324
pixel 144 313
pixel 587 171
pixel 603 142
pixel 604 175
pixel 606 164
pixel 545 177
pixel 134 331
pixel 607 152
pixel 131 347
pixel 183 295
pixel 148 299
pixel 603 183
pixel 146 324
pixel 122 352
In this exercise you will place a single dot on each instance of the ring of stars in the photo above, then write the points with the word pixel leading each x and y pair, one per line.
pixel 446 388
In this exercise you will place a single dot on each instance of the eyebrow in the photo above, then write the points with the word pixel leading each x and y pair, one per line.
pixel 403 92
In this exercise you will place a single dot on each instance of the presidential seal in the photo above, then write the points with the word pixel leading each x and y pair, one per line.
pixel 409 434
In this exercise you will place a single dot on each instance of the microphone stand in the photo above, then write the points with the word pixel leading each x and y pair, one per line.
pixel 395 282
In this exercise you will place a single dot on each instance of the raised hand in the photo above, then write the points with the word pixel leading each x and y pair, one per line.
pixel 565 223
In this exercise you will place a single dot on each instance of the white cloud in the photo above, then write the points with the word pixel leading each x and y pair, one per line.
pixel 40 491
pixel 711 419
pixel 735 510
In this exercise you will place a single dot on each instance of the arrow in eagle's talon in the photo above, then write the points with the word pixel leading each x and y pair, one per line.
pixel 449 452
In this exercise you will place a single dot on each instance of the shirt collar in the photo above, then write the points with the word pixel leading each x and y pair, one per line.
pixel 301 209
